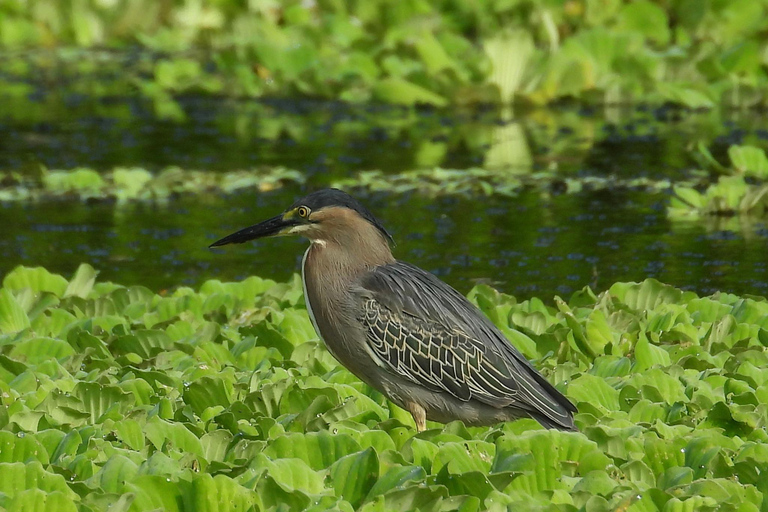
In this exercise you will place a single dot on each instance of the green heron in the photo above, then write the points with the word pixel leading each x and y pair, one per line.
pixel 402 330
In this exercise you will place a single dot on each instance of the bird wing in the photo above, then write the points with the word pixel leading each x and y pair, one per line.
pixel 425 331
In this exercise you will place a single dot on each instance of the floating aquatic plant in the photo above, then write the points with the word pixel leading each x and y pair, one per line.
pixel 222 398
pixel 693 54
pixel 137 184
pixel 741 189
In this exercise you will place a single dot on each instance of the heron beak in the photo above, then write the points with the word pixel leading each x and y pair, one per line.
pixel 275 226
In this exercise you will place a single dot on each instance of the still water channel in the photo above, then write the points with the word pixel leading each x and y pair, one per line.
pixel 536 244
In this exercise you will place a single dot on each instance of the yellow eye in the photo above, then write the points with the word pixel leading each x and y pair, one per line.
pixel 303 212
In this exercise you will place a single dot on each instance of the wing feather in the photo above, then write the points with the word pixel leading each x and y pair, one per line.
pixel 429 333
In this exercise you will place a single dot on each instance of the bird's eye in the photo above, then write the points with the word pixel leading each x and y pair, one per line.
pixel 303 212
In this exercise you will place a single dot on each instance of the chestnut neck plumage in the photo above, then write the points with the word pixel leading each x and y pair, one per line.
pixel 344 247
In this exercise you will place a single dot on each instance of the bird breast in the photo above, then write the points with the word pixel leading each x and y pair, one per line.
pixel 330 304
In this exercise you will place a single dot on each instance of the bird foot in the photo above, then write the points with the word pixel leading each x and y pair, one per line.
pixel 419 416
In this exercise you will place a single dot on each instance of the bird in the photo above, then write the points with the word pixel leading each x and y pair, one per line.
pixel 402 330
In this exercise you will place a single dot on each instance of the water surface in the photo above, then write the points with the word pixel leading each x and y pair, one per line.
pixel 538 243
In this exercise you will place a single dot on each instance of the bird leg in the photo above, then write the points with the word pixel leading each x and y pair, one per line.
pixel 419 416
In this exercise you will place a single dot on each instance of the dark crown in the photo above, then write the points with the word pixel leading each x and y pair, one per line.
pixel 335 197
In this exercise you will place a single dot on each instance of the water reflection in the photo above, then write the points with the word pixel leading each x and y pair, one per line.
pixel 534 244
pixel 322 138
pixel 527 246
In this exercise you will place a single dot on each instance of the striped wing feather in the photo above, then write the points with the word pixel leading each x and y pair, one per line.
pixel 430 334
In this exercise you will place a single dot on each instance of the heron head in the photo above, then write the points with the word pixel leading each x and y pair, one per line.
pixel 325 214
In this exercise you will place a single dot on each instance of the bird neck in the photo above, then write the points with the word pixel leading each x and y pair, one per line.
pixel 339 258
pixel 348 243
pixel 339 261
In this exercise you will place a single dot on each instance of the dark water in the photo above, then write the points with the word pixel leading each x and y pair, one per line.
pixel 538 244
pixel 527 246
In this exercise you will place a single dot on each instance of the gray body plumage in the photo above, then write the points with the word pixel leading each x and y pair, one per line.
pixel 408 334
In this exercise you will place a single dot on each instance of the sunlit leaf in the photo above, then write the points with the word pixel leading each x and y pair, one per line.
pixel 750 160
pixel 400 91
pixel 21 448
pixel 594 391
pixel 291 474
pixel 318 449
pixel 82 282
pixel 18 476
pixel 166 436
pixel 36 279
pixel 12 315
pixel 215 494
pixel 34 500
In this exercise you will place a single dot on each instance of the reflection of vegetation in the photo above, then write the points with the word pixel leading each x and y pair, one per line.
pixel 337 139
pixel 222 398
pixel 139 184
pixel 697 54
pixel 476 181
pixel 741 191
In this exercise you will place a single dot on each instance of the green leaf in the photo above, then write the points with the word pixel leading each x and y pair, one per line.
pixel 648 294
pixel 639 474
pixel 645 411
pixel 130 433
pixel 216 494
pixel 661 454
pixel 432 53
pixel 274 495
pixel 291 474
pixel 647 18
pixel 172 436
pixel 97 400
pixel 471 483
pixel 21 448
pixel 36 279
pixel 648 355
pixel 82 282
pixel 37 350
pixel 268 336
pixel 689 95
pixel 463 457
pixel 675 477
pixel 403 92
pixel 596 483
pixel 145 343
pixel 353 475
pixel 154 492
pixel 130 182
pixel 35 500
pixel 215 445
pixel 509 53
pixel 428 498
pixel 594 391
pixel 420 452
pixel 749 160
pixel 115 472
pixel 18 476
pixel 80 179
pixel 12 315
pixel 553 454
pixel 396 476
pixel 318 449
pixel 208 392
pixel 660 385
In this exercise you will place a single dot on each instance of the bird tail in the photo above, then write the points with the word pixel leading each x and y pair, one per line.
pixel 547 422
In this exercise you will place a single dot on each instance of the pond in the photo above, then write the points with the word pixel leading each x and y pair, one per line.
pixel 538 243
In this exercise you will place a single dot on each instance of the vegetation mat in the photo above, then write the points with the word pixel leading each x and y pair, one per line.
pixel 117 398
